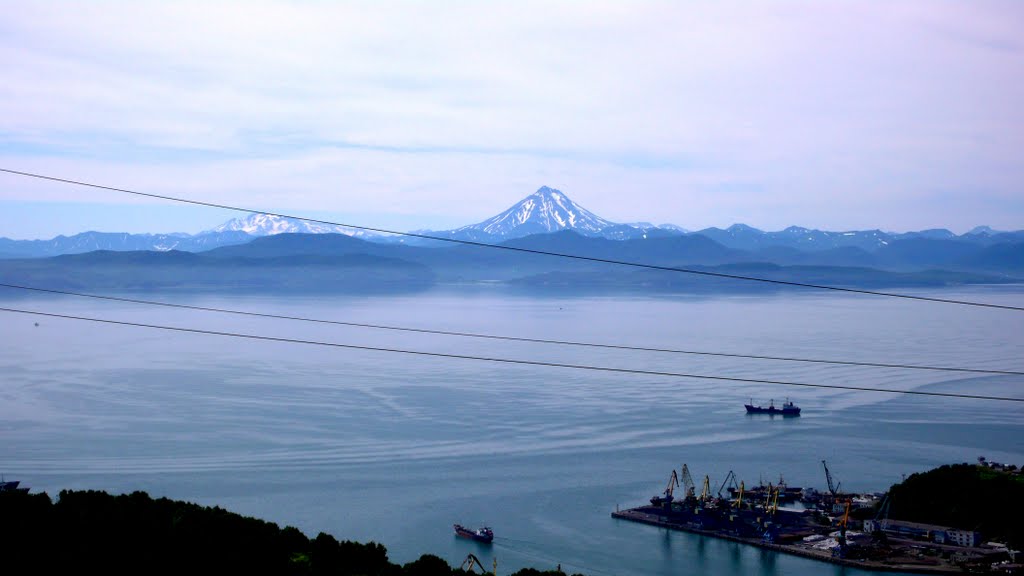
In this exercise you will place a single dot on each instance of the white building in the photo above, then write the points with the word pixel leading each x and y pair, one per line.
pixel 963 537
pixel 937 534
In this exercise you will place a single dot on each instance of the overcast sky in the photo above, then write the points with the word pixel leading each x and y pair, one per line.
pixel 412 115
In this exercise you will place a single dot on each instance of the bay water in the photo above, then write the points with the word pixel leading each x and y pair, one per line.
pixel 395 447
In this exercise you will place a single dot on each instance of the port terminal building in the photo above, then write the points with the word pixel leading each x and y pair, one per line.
pixel 929 532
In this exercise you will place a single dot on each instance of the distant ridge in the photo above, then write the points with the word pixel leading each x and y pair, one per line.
pixel 335 263
pixel 268 225
pixel 548 211
pixel 118 241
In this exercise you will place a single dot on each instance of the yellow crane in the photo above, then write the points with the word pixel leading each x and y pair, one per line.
pixel 666 500
pixel 840 551
pixel 705 493
pixel 739 499
pixel 673 482
pixel 842 523
pixel 768 497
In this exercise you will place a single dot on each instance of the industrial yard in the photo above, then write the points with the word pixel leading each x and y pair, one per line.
pixel 829 525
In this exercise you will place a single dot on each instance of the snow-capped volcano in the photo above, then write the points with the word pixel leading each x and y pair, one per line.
pixel 546 210
pixel 268 225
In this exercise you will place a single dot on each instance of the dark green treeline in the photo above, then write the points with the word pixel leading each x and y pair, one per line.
pixel 95 532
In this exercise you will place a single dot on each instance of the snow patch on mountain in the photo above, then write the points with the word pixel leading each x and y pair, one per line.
pixel 983 230
pixel 268 225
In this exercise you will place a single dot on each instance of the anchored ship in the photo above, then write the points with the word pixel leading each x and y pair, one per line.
pixel 11 486
pixel 788 408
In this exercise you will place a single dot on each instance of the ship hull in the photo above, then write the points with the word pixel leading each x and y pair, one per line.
pixel 772 410
pixel 483 535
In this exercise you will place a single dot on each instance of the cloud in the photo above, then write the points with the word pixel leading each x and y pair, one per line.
pixel 774 113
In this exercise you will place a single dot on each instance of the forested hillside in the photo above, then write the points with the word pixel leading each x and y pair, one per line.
pixel 94 532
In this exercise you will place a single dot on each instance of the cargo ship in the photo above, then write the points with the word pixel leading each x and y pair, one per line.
pixel 484 534
pixel 788 408
pixel 11 486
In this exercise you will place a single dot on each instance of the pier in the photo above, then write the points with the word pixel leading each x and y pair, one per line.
pixel 833 526
pixel 895 563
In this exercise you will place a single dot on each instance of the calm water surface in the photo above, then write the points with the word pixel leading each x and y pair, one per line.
pixel 395 448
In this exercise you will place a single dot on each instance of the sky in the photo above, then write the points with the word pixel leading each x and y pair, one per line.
pixel 898 115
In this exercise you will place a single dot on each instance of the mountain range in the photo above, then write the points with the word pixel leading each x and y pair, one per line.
pixel 336 263
pixel 268 253
pixel 545 211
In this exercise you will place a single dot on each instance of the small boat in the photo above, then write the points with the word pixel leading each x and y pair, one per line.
pixel 484 534
pixel 788 408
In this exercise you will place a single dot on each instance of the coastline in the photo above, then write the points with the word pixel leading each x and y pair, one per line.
pixel 636 515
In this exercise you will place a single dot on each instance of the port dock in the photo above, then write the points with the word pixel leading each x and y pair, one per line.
pixel 831 526
pixel 644 515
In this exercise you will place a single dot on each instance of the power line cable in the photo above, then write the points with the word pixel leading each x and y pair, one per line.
pixel 509 360
pixel 523 250
pixel 512 338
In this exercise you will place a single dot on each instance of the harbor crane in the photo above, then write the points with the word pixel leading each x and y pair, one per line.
pixel 832 487
pixel 842 529
pixel 673 482
pixel 691 488
pixel 705 492
pixel 730 477
pixel 882 517
pixel 471 562
pixel 772 493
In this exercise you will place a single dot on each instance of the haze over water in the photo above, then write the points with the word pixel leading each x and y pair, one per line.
pixel 395 448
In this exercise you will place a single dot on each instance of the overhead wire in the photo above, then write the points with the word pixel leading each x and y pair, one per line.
pixel 522 339
pixel 506 337
pixel 519 249
pixel 513 361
